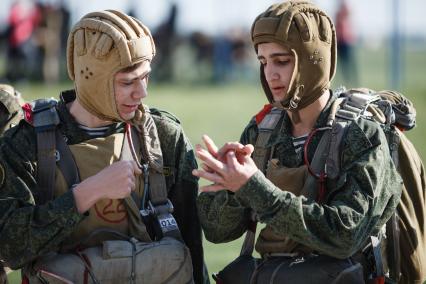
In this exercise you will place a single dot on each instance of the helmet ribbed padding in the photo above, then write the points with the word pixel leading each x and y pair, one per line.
pixel 99 45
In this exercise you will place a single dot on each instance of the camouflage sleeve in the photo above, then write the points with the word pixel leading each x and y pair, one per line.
pixel 222 216
pixel 367 195
pixel 179 161
pixel 26 229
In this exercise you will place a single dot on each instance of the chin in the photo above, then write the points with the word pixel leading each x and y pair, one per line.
pixel 278 99
pixel 127 116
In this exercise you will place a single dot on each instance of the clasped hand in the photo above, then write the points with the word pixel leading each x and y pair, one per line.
pixel 228 168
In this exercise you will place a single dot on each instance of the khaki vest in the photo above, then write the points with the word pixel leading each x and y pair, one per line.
pixel 292 180
pixel 91 157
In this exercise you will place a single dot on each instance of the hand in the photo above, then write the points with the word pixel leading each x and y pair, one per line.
pixel 114 182
pixel 228 168
pixel 239 149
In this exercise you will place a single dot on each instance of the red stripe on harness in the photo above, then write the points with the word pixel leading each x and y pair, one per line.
pixel 261 114
pixel 28 112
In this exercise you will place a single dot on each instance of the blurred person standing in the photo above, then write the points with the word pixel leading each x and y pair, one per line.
pixel 48 36
pixel 24 17
pixel 166 38
pixel 345 45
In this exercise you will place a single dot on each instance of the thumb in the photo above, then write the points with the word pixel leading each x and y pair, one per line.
pixel 248 149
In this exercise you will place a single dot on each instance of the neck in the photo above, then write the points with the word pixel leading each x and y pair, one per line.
pixel 84 117
pixel 309 115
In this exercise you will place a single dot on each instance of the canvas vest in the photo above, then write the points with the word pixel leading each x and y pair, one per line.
pixel 295 180
pixel 112 244
pixel 91 157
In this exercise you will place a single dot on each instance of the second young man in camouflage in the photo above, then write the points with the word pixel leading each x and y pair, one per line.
pixel 312 228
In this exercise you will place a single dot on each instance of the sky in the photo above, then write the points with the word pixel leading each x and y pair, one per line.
pixel 371 18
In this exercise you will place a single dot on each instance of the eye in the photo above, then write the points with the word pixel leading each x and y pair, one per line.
pixel 283 62
pixel 127 83
pixel 146 78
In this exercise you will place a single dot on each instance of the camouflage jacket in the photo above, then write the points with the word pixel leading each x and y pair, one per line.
pixel 28 230
pixel 366 197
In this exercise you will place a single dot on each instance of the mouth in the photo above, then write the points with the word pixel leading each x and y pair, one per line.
pixel 130 108
pixel 278 89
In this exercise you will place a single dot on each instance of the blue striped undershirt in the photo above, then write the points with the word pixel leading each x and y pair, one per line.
pixel 298 142
pixel 95 132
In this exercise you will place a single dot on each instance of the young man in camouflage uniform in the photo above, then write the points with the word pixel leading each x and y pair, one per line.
pixel 109 56
pixel 10 115
pixel 312 237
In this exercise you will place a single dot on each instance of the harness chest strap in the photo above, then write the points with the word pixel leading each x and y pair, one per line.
pixel 159 206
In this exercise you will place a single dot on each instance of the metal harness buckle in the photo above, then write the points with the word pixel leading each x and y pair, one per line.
pixel 162 214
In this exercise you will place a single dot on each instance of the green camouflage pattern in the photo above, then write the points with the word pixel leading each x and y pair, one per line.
pixel 361 200
pixel 10 107
pixel 28 230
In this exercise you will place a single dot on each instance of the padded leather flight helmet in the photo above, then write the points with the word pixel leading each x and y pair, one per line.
pixel 100 45
pixel 309 34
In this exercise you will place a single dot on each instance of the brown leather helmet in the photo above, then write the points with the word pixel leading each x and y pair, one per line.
pixel 100 45
pixel 309 34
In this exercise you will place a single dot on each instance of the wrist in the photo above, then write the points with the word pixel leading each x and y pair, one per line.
pixel 84 197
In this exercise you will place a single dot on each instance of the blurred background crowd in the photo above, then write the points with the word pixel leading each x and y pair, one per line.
pixel 205 41
pixel 206 71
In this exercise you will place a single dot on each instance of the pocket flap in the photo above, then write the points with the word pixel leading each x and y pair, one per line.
pixel 116 249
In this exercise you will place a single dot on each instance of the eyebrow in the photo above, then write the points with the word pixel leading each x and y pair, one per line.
pixel 137 77
pixel 277 54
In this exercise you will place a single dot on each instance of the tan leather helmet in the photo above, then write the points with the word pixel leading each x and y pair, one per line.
pixel 99 45
pixel 310 35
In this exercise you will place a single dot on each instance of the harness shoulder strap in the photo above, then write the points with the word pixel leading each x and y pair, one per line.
pixel 346 110
pixel 261 156
pixel 261 152
pixel 51 149
pixel 45 120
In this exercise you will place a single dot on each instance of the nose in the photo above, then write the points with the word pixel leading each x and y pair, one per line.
pixel 271 73
pixel 140 90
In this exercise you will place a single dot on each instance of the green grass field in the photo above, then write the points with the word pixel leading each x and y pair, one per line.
pixel 223 111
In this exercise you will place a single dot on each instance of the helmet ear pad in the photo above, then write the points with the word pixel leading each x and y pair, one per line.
pixel 100 45
pixel 309 33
